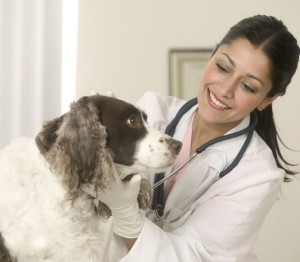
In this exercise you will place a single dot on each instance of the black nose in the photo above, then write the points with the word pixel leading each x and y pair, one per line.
pixel 175 145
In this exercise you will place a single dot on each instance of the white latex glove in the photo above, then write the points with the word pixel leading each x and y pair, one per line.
pixel 121 198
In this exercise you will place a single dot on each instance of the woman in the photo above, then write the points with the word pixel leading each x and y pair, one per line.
pixel 248 70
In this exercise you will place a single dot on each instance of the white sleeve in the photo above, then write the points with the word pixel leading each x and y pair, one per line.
pixel 158 245
pixel 160 109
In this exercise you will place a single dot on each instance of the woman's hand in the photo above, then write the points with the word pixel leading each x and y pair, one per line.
pixel 121 198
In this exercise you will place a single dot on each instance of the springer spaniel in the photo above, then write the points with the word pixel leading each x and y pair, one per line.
pixel 45 212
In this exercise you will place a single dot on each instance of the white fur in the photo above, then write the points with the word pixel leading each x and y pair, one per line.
pixel 36 221
pixel 153 154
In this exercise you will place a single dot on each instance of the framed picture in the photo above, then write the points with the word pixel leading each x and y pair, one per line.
pixel 185 69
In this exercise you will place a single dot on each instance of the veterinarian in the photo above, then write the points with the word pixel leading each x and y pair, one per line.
pixel 206 216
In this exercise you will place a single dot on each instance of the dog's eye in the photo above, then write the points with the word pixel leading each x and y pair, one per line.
pixel 134 122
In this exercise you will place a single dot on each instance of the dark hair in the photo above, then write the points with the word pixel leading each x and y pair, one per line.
pixel 280 46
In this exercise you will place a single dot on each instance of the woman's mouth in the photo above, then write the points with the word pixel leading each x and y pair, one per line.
pixel 216 103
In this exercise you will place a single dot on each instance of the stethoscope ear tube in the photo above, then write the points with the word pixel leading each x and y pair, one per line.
pixel 170 129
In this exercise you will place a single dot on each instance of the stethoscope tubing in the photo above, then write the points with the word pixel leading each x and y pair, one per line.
pixel 201 149
pixel 250 130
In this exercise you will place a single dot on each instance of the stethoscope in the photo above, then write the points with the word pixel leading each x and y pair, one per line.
pixel 157 201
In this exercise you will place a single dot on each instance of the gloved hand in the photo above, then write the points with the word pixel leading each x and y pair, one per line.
pixel 121 198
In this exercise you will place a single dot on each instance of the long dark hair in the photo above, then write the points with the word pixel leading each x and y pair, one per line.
pixel 280 46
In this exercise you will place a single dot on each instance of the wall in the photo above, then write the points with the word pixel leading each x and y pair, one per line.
pixel 123 47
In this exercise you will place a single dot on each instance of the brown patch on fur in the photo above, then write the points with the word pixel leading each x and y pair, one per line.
pixel 76 151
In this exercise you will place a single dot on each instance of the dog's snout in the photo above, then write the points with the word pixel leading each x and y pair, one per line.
pixel 174 145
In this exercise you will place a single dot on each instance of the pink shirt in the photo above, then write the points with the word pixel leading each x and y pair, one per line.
pixel 183 155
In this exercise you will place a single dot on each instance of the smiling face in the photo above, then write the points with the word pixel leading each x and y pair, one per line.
pixel 235 81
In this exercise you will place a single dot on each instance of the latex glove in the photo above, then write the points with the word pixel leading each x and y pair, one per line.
pixel 121 198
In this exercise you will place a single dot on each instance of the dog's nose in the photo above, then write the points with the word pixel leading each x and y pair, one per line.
pixel 175 145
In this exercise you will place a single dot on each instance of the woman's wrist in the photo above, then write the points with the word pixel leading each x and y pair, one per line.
pixel 128 223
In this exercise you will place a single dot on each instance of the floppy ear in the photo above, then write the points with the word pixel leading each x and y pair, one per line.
pixel 47 136
pixel 76 150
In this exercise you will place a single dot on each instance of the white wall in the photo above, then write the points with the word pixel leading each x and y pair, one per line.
pixel 123 47
pixel 30 52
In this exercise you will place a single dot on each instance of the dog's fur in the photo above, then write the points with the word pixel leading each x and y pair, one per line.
pixel 45 212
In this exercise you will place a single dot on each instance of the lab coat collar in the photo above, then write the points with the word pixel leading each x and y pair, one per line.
pixel 184 121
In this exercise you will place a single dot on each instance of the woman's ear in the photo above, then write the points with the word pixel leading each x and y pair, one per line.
pixel 267 101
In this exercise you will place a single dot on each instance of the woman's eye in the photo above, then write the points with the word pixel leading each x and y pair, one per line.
pixel 133 122
pixel 248 88
pixel 221 68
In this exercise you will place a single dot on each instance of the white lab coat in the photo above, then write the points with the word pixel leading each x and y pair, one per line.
pixel 222 224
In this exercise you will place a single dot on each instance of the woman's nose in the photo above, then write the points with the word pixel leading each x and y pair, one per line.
pixel 227 88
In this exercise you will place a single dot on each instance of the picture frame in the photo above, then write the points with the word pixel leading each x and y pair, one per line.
pixel 185 69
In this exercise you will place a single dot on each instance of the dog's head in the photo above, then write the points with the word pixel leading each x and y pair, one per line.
pixel 97 132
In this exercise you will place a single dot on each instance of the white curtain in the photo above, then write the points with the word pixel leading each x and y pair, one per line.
pixel 30 65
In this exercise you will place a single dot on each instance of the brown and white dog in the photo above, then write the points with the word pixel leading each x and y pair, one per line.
pixel 45 212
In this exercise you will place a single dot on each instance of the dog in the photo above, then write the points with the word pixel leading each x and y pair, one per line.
pixel 45 212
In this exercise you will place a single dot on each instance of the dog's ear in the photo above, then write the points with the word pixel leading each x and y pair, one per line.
pixel 79 154
pixel 47 136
